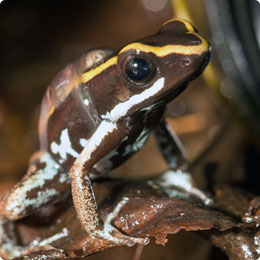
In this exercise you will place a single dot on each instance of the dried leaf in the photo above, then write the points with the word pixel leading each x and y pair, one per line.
pixel 242 241
pixel 149 212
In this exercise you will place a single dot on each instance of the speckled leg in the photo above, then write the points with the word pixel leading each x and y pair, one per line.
pixel 44 183
pixel 9 247
pixel 174 154
pixel 8 244
pixel 106 137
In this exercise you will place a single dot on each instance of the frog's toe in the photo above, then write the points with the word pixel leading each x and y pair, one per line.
pixel 183 181
pixel 112 234
pixel 108 232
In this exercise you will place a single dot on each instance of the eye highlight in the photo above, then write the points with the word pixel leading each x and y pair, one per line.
pixel 138 69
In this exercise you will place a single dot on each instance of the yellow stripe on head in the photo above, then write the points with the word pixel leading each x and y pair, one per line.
pixel 168 49
pixel 159 51
pixel 87 76
pixel 186 23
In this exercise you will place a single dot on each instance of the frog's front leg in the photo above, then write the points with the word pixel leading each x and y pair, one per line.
pixel 44 183
pixel 170 147
pixel 107 137
pixel 174 154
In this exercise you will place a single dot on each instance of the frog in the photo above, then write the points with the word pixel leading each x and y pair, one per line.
pixel 97 113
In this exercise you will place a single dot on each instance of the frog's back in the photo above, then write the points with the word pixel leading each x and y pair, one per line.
pixel 67 112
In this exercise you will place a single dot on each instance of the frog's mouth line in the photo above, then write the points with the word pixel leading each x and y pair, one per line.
pixel 155 105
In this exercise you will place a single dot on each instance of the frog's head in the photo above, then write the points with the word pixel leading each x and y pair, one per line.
pixel 165 62
pixel 150 71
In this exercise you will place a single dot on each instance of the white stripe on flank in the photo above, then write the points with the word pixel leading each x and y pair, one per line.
pixel 121 109
pixel 64 147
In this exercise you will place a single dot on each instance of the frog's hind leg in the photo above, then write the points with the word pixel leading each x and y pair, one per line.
pixel 177 175
pixel 9 247
pixel 44 183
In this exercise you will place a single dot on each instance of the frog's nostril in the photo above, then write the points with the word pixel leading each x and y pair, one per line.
pixel 185 62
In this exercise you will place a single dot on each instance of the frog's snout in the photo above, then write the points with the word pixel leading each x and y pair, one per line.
pixel 206 57
pixel 184 36
pixel 192 50
pixel 193 64
pixel 178 26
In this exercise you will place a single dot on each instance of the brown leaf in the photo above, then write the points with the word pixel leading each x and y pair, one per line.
pixel 242 241
pixel 149 212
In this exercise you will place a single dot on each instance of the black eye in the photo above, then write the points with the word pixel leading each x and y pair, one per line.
pixel 139 70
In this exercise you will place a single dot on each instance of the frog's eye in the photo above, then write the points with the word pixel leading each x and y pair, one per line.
pixel 138 69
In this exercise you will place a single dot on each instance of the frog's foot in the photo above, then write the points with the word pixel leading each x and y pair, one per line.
pixel 9 247
pixel 183 181
pixel 112 234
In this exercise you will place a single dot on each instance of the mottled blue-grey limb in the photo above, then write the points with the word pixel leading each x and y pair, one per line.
pixel 170 147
